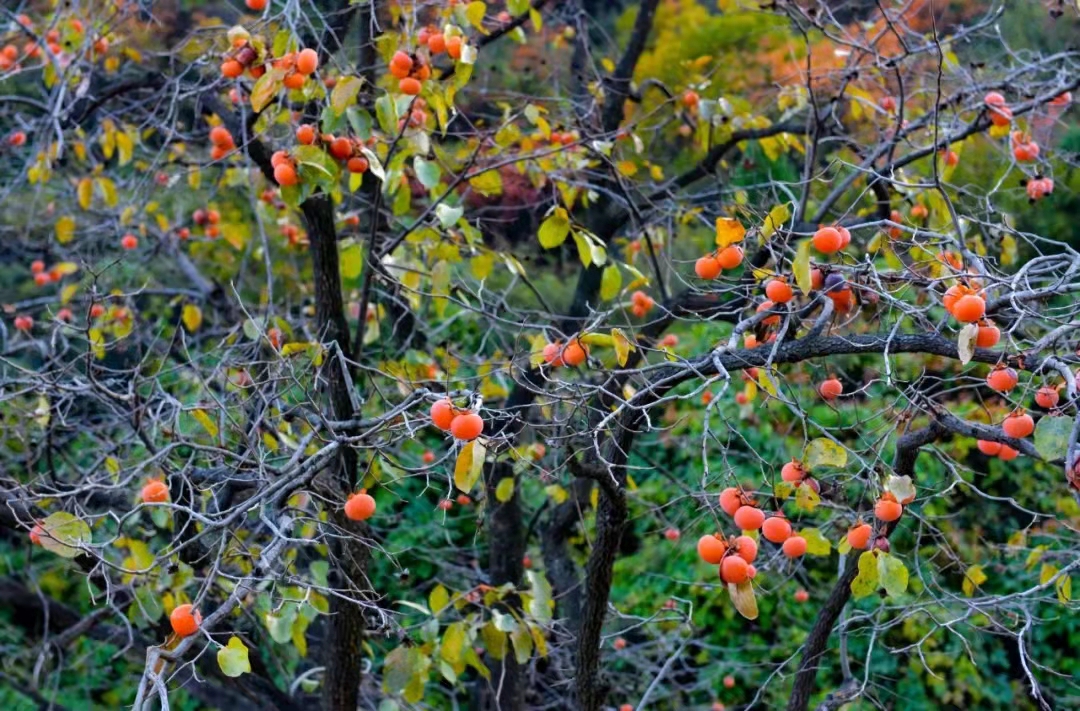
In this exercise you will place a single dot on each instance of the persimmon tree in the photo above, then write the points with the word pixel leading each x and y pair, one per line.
pixel 537 354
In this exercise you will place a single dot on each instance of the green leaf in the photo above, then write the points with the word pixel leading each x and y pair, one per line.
pixel 448 216
pixel 554 229
pixel 505 490
pixel 816 543
pixel 801 267
pixel 233 658
pixel 517 7
pixel 344 93
pixel 522 641
pixel 1052 437
pixel 386 114
pixel 470 464
pixel 352 261
pixel 610 282
pixel 824 452
pixel 62 534
pixel 438 599
pixel 280 623
pixel 474 13
pixel 427 172
pixel 893 574
pixel 866 582
pixel 540 601
pixel 494 641
pixel 973 578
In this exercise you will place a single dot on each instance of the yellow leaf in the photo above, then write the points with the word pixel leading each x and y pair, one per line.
pixel 505 490
pixel 623 346
pixel 742 596
pixel 67 293
pixel 627 168
pixel 85 192
pixel 108 191
pixel 801 267
pixel 194 178
pixel 728 231
pixel 973 578
pixel 775 220
pixel 65 229
pixel 469 465
pixel 125 147
pixel 65 268
pixel 205 420
pixel 192 317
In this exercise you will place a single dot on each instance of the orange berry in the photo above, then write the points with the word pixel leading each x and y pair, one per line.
pixel 467 426
pixel 729 682
pixel 1018 424
pixel 746 548
pixel 428 457
pixel 285 175
pixel 734 570
pixel 453 46
pixel 16 139
pixel 185 621
pixel 129 242
pixel 795 547
pixel 575 353
pixel 1047 397
pixel 779 291
pixel 220 136
pixel 858 537
pixel 437 43
pixel 749 518
pixel 801 596
pixel 793 472
pixel 358 164
pixel 307 61
pixel 341 148
pixel 742 398
pixel 1001 115
pixel 97 311
pixel 231 68
pixel 1002 379
pixel 730 500
pixel 42 278
pixel 776 529
pixel 707 267
pixel 155 492
pixel 711 549
pixel 672 534
pixel 769 320
pixel 305 134
pixel 828 240
pixel 888 509
pixel 690 99
pixel 360 506
pixel 442 414
pixel 990 449
pixel 409 86
pixel 620 643
pixel 969 309
pixel 919 212
pixel 553 355
pixel 830 389
pixel 730 257
pixel 256 5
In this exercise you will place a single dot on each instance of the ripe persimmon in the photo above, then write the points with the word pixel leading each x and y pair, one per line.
pixel 794 547
pixel 969 308
pixel 734 570
pixel 220 136
pixel 730 257
pixel 711 549
pixel 730 500
pixel 256 5
pixel 801 595
pixel 1002 379
pixel 467 426
pixel 1001 115
pixel 360 506
pixel 35 534
pixel 575 353
pixel 779 291
pixel 1007 453
pixel 285 175
pixel 454 45
pixel 359 164
pixel 305 134
pixel 793 472
pixel 307 61
pixel 994 98
pixel 988 335
pixel 553 354
pixel 442 414
pixel 746 548
pixel 155 492
pixel 129 242
pixel 858 537
pixel 409 86
pixel 1018 424
pixel 1047 397
pixel 990 449
pixel 185 621
pixel 768 320
pixel 830 389
pixel 749 518
pixel 231 69
pixel 672 534
pixel 708 267
pixel 437 43
pixel 690 99
pixel 341 148
pixel 776 529
pixel 887 508
pixel 828 240
pixel 294 81
pixel 401 65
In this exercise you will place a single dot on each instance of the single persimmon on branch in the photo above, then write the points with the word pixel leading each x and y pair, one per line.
pixel 523 354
